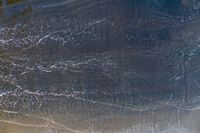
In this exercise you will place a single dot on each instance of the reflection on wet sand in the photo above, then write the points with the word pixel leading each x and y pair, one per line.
pixel 164 120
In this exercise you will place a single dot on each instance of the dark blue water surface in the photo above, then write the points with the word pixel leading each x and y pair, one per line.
pixel 99 66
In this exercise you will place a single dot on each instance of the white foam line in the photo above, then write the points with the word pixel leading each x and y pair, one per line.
pixel 58 4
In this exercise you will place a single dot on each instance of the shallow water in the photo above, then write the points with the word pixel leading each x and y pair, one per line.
pixel 109 66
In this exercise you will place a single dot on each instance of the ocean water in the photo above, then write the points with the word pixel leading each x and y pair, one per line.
pixel 99 66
